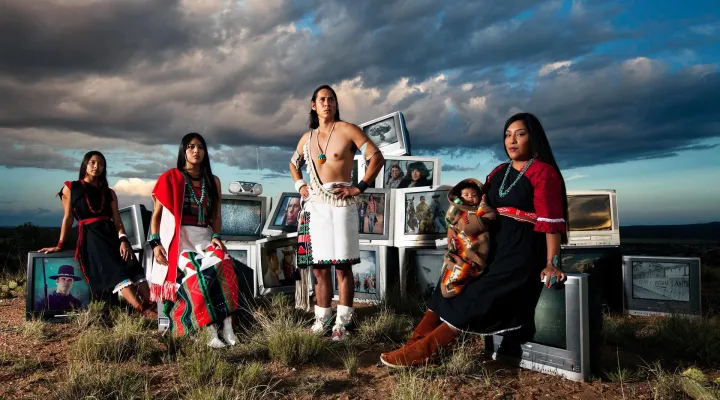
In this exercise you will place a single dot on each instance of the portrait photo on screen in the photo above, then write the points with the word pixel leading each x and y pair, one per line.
pixel 240 255
pixel 550 322
pixel 371 212
pixel 288 212
pixel 59 285
pixel 400 174
pixel 365 273
pixel 279 268
pixel 382 133
pixel 660 281
pixel 589 213
pixel 425 212
pixel 241 217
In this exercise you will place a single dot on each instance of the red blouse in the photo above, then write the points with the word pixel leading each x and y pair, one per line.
pixel 547 193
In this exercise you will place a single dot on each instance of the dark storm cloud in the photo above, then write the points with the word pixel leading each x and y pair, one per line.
pixel 255 158
pixel 148 72
pixel 37 157
pixel 38 39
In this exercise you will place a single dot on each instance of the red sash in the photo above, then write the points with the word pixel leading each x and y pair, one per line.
pixel 519 215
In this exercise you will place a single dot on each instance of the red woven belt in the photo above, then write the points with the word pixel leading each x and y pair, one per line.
pixel 518 214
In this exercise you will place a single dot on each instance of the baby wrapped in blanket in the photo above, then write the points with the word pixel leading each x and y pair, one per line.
pixel 468 237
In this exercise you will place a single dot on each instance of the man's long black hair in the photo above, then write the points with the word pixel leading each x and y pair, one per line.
pixel 314 120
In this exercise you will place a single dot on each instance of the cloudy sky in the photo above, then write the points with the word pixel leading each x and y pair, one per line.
pixel 628 91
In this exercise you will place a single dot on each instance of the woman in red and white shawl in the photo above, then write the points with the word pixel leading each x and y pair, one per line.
pixel 529 196
pixel 198 282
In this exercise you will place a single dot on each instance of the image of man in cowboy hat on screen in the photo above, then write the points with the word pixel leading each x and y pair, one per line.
pixel 61 299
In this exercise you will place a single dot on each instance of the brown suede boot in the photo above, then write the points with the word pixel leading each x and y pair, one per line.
pixel 421 351
pixel 428 324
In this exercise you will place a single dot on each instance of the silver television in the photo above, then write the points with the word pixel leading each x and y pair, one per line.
pixel 389 133
pixel 377 227
pixel 55 286
pixel 132 220
pixel 420 215
pixel 661 286
pixel 246 253
pixel 277 259
pixel 400 172
pixel 561 340
pixel 243 217
pixel 283 217
pixel 593 219
pixel 373 276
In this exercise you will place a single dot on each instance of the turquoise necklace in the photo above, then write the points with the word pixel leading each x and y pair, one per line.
pixel 503 191
pixel 199 202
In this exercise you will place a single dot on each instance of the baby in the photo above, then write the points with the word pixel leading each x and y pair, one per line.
pixel 468 238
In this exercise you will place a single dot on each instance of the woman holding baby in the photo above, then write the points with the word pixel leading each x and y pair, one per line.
pixel 530 203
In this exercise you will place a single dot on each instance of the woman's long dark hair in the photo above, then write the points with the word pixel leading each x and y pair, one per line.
pixel 102 180
pixel 205 170
pixel 540 148
pixel 314 120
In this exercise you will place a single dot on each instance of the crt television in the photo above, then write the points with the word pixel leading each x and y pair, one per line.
pixel 420 215
pixel 661 285
pixel 400 172
pixel 375 216
pixel 246 253
pixel 373 276
pixel 284 215
pixel 136 220
pixel 389 134
pixel 277 258
pixel 593 218
pixel 243 216
pixel 55 287
pixel 561 340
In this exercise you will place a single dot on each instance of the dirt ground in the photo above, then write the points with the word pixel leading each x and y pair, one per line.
pixel 47 363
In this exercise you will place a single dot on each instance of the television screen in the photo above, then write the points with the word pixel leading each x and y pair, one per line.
pixel 383 132
pixel 428 266
pixel 371 212
pixel 278 264
pixel 589 213
pixel 56 285
pixel 241 217
pixel 289 210
pixel 425 212
pixel 400 174
pixel 126 215
pixel 365 273
pixel 661 280
pixel 240 255
pixel 550 318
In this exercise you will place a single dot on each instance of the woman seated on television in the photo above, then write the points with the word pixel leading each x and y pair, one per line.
pixel 418 175
pixel 103 253
pixel 198 281
pixel 529 195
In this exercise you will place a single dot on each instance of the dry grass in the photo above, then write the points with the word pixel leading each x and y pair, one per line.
pixel 103 382
pixel 130 338
pixel 35 329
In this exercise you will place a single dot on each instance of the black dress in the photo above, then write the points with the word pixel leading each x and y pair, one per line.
pixel 505 296
pixel 98 248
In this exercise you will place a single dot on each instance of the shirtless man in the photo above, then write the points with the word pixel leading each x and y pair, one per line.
pixel 328 224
